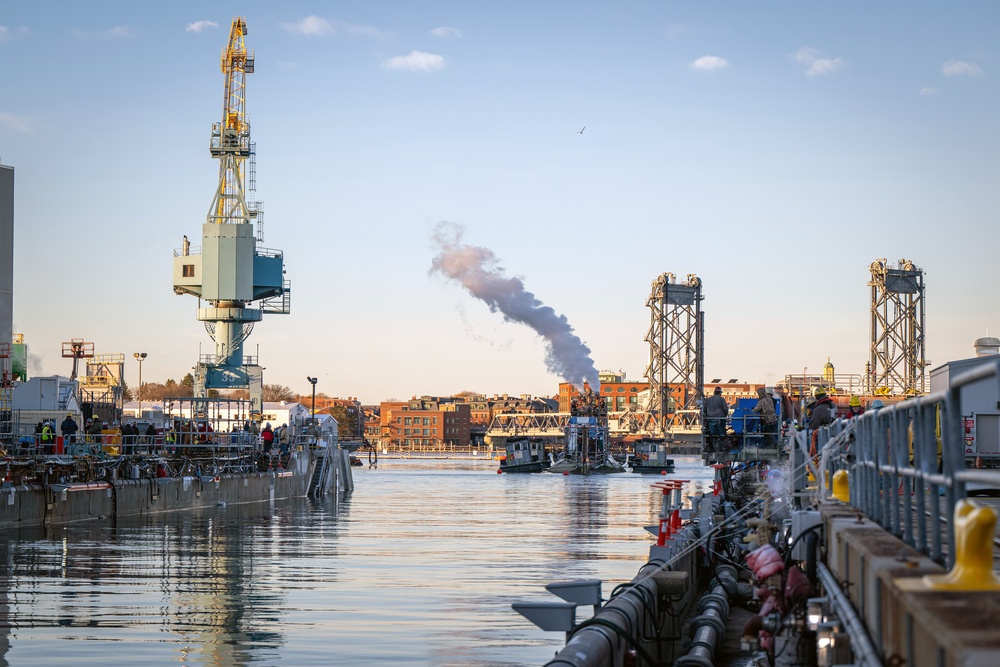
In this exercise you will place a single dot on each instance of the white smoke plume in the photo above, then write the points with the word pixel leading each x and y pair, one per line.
pixel 478 270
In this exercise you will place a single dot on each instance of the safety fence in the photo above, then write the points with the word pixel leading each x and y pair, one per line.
pixel 906 464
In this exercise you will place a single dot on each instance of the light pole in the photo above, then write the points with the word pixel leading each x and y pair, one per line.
pixel 312 381
pixel 139 356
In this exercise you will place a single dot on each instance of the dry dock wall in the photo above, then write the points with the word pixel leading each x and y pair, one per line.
pixel 35 504
pixel 915 628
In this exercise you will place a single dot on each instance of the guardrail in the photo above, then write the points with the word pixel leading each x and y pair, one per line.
pixel 907 463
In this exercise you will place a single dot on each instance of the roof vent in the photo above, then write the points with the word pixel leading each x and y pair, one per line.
pixel 987 347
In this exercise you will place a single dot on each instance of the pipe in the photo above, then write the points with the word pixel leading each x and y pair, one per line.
pixel 710 626
pixel 861 643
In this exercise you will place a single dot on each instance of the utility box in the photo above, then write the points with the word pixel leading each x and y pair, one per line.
pixel 979 403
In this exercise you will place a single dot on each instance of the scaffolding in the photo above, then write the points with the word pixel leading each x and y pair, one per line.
pixel 102 389
pixel 8 416
pixel 896 363
pixel 676 338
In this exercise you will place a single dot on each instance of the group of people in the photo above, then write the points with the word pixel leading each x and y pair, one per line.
pixel 821 411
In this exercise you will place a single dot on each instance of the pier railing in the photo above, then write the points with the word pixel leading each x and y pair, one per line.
pixel 907 464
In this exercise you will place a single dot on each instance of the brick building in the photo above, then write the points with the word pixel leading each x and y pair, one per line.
pixel 424 422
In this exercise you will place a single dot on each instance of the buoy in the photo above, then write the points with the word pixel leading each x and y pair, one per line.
pixel 663 472
pixel 499 472
pixel 565 473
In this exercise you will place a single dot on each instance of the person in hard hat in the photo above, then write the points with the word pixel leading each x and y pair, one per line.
pixel 823 409
pixel 854 407
pixel 48 437
pixel 714 413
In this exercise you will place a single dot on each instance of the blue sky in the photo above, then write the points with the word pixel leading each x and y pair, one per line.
pixel 773 149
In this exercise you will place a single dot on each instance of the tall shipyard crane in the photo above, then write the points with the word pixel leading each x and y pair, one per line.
pixel 231 270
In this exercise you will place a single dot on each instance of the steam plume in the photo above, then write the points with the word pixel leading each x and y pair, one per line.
pixel 478 270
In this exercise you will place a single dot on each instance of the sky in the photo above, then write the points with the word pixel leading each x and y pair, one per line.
pixel 773 149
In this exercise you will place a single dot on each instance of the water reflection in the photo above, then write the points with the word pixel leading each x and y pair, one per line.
pixel 418 567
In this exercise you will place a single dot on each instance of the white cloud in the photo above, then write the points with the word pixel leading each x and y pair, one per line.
pixel 446 31
pixel 198 26
pixel 317 26
pixel 311 26
pixel 960 68
pixel 10 33
pixel 927 90
pixel 816 63
pixel 363 30
pixel 710 63
pixel 415 61
pixel 16 122
pixel 103 35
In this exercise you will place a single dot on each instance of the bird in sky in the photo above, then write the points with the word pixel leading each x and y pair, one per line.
pixel 582 129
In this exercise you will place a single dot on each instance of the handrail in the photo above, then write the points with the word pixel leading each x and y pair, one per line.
pixel 908 456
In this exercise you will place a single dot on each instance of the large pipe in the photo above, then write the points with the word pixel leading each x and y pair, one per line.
pixel 710 626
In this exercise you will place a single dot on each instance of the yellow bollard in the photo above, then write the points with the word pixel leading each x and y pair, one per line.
pixel 973 570
pixel 841 486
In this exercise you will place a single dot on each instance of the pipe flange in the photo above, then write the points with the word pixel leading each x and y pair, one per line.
pixel 718 624
pixel 693 661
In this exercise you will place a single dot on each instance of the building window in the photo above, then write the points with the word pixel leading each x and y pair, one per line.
pixel 427 431
pixel 633 389
pixel 621 389
pixel 427 421
pixel 406 431
pixel 407 421
pixel 188 270
pixel 399 420
pixel 434 431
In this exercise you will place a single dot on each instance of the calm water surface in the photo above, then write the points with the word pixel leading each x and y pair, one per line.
pixel 419 566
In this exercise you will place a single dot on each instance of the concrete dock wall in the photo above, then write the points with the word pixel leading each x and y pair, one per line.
pixel 909 624
pixel 35 504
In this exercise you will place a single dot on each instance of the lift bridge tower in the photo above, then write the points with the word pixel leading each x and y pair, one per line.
pixel 676 342
pixel 896 363
pixel 232 270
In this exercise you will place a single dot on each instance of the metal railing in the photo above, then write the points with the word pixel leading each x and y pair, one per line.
pixel 907 463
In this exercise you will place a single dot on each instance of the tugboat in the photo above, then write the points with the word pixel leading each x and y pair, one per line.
pixel 524 455
pixel 650 456
pixel 586 450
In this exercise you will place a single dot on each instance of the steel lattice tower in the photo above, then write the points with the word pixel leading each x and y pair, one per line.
pixel 896 364
pixel 676 341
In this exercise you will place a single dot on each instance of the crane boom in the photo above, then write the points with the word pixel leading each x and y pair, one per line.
pixel 240 280
pixel 230 142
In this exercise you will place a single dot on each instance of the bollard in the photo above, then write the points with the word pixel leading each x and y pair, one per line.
pixel 841 486
pixel 717 484
pixel 973 569
pixel 675 519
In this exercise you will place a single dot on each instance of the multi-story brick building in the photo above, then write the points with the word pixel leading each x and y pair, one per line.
pixel 424 422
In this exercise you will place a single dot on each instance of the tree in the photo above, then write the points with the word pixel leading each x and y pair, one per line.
pixel 278 392
pixel 346 421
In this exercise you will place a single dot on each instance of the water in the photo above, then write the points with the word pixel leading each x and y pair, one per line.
pixel 419 566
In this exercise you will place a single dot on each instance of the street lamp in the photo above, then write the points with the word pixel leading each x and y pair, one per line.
pixel 139 356
pixel 312 381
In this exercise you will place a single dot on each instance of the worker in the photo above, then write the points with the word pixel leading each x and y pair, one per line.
pixel 768 417
pixel 48 438
pixel 69 428
pixel 823 410
pixel 267 436
pixel 854 407
pixel 715 410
